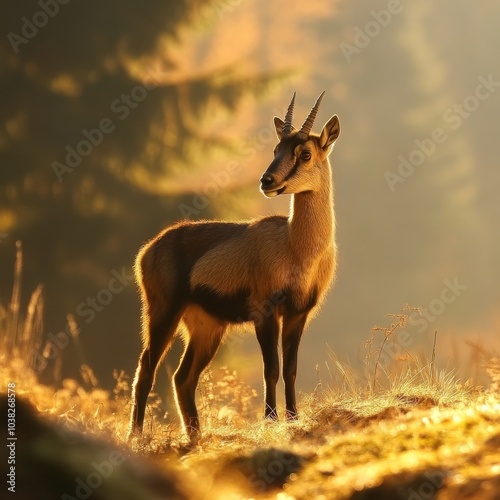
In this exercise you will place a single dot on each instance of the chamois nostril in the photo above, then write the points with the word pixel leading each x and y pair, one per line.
pixel 267 180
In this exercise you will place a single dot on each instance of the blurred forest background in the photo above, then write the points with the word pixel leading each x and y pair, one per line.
pixel 121 117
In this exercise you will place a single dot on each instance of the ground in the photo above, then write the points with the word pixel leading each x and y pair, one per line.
pixel 400 431
pixel 417 439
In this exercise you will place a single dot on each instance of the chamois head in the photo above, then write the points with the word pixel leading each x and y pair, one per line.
pixel 300 155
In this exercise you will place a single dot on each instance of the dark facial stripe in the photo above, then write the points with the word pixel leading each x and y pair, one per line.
pixel 293 171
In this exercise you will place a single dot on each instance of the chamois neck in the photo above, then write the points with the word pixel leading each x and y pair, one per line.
pixel 312 220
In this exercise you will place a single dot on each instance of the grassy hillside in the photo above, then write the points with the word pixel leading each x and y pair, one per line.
pixel 411 441
pixel 406 432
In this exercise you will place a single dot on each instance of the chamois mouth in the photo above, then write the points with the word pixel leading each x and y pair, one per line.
pixel 271 193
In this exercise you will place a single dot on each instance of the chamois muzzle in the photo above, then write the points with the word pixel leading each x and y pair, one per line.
pixel 269 186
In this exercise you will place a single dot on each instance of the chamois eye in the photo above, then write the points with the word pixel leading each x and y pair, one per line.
pixel 305 155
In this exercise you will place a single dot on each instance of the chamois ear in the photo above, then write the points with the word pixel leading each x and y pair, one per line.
pixel 330 133
pixel 278 125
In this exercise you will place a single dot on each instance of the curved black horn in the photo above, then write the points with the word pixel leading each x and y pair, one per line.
pixel 307 126
pixel 287 128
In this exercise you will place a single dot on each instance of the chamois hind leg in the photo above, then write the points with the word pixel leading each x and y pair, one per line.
pixel 204 337
pixel 267 330
pixel 293 326
pixel 159 332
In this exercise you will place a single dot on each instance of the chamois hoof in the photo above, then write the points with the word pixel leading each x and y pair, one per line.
pixel 134 433
pixel 194 436
pixel 271 416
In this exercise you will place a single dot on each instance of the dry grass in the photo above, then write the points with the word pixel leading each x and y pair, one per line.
pixel 422 434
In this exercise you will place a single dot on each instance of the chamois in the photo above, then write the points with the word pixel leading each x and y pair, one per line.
pixel 211 275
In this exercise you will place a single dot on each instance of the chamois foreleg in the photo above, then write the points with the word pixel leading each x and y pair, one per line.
pixel 267 330
pixel 293 326
pixel 204 340
pixel 159 332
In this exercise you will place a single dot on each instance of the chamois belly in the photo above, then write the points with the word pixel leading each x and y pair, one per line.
pixel 239 307
pixel 232 308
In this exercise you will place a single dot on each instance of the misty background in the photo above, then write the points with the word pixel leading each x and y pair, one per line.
pixel 119 118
